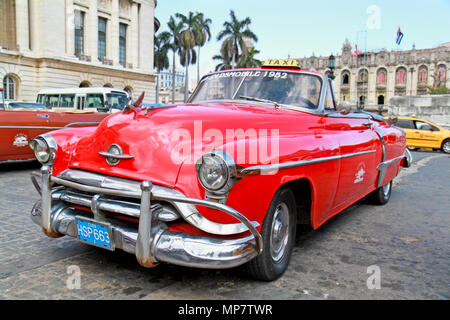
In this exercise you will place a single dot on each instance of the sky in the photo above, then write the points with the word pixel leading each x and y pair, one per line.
pixel 298 29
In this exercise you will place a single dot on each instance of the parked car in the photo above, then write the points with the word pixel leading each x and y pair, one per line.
pixel 422 133
pixel 56 109
pixel 222 180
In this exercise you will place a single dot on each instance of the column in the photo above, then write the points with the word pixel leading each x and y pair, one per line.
pixel 133 47
pixel 92 31
pixel 22 25
pixel 70 28
pixel 113 37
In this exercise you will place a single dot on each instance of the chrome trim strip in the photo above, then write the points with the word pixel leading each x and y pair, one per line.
pixel 51 128
pixel 116 156
pixel 292 164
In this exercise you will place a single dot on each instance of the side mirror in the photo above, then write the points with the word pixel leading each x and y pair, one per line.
pixel 344 107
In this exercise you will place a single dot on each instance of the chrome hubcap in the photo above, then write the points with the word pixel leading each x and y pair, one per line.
pixel 279 232
pixel 386 189
pixel 446 147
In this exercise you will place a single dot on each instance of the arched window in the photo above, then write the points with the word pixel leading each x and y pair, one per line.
pixel 363 75
pixel 108 85
pixel 423 73
pixel 9 87
pixel 345 78
pixel 380 99
pixel 381 76
pixel 85 84
pixel 129 90
pixel 441 72
pixel 401 76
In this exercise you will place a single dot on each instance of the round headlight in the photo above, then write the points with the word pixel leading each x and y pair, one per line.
pixel 44 148
pixel 212 172
pixel 42 151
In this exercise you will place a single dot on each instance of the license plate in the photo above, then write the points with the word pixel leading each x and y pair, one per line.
pixel 94 233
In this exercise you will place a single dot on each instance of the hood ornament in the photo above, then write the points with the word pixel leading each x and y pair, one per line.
pixel 114 155
pixel 134 105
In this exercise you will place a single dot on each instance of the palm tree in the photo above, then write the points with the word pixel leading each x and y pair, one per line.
pixel 224 56
pixel 236 31
pixel 202 35
pixel 249 60
pixel 161 60
pixel 175 28
pixel 187 41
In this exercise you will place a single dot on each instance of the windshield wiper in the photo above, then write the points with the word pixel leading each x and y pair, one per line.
pixel 260 100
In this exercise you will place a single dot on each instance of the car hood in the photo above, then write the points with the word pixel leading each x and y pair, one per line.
pixel 162 139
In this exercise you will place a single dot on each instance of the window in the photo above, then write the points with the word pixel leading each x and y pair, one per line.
pixel 122 44
pixel 9 85
pixel 405 124
pixel 441 73
pixel 79 33
pixel 401 76
pixel 381 77
pixel 423 75
pixel 95 100
pixel 101 38
pixel 8 24
pixel 420 125
pixel 117 100
pixel 67 101
pixel 345 78
pixel 50 100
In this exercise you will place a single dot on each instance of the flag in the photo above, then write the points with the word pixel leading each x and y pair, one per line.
pixel 357 52
pixel 399 36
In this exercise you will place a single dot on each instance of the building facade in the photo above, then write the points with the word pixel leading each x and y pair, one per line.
pixel 373 78
pixel 76 43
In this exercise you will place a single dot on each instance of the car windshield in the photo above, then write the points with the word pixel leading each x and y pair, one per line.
pixel 272 86
pixel 26 105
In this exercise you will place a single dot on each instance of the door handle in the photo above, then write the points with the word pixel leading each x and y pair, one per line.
pixel 44 116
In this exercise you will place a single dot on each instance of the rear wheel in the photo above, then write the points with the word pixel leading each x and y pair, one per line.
pixel 381 195
pixel 278 234
pixel 446 146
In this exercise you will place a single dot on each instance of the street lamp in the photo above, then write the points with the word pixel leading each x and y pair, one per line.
pixel 332 66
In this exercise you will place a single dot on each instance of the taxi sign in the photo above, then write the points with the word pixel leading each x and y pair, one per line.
pixel 281 63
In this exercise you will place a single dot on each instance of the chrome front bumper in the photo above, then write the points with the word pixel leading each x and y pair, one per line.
pixel 150 240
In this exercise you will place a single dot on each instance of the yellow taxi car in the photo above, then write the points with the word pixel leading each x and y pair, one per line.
pixel 421 133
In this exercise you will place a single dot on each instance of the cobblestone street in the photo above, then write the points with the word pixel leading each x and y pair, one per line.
pixel 407 239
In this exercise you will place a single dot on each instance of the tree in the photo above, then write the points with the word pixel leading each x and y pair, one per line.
pixel 249 60
pixel 187 41
pixel 202 34
pixel 236 32
pixel 161 60
pixel 175 28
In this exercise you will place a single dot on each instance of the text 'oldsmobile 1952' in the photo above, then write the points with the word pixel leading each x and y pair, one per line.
pixel 222 180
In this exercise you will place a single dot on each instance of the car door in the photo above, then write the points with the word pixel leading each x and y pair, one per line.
pixel 408 126
pixel 358 150
pixel 19 127
pixel 426 134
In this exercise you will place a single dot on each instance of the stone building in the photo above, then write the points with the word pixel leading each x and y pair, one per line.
pixel 76 43
pixel 373 78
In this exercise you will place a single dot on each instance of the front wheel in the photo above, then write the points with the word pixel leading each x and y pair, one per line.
pixel 278 234
pixel 446 146
pixel 381 195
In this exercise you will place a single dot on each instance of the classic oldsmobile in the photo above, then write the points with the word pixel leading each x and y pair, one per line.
pixel 21 122
pixel 222 180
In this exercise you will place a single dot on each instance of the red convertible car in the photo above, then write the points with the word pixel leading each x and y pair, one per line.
pixel 222 180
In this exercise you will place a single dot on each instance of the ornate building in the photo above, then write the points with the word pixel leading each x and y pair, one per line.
pixel 76 43
pixel 375 77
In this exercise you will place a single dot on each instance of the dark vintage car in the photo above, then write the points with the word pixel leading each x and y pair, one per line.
pixel 220 181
